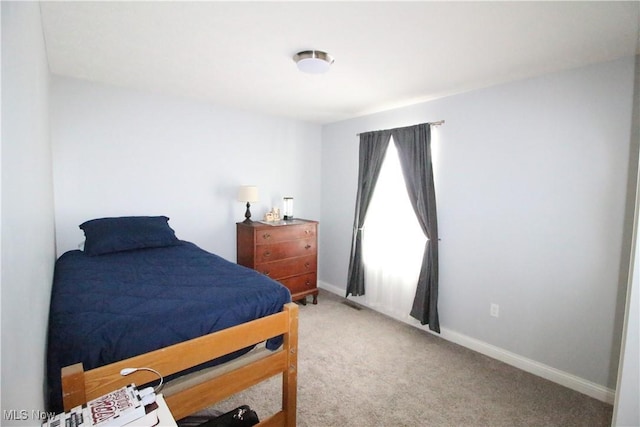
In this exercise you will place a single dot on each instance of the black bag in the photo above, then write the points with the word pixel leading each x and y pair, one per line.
pixel 242 416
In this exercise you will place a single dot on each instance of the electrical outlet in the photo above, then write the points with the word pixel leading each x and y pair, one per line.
pixel 494 310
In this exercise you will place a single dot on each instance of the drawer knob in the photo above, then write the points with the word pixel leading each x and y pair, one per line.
pixel 308 283
pixel 267 254
pixel 267 273
pixel 307 231
pixel 307 265
pixel 307 246
pixel 266 236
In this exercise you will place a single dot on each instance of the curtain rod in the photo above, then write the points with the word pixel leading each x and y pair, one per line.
pixel 436 123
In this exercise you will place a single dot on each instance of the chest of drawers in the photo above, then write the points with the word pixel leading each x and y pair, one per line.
pixel 286 252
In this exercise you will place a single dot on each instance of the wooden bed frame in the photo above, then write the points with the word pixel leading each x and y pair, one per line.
pixel 79 386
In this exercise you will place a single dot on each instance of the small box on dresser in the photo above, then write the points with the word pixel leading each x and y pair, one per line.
pixel 286 251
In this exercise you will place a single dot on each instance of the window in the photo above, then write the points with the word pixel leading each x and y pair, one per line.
pixel 393 242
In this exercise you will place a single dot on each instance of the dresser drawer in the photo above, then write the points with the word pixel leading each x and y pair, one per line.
pixel 289 267
pixel 302 283
pixel 282 250
pixel 283 233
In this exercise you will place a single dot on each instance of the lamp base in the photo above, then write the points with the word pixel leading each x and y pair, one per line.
pixel 247 215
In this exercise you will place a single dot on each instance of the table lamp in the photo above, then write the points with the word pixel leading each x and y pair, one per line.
pixel 248 193
pixel 288 208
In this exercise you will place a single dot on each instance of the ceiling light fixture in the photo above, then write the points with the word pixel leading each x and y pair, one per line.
pixel 313 61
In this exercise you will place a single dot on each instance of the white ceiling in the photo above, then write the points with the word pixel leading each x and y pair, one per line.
pixel 387 54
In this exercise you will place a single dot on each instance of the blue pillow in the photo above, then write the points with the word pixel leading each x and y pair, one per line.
pixel 107 235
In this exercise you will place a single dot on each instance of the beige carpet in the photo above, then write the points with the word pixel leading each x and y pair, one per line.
pixel 360 368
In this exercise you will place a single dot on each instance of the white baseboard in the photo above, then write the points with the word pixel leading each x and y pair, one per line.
pixel 565 379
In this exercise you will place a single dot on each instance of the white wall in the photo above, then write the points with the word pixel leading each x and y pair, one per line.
pixel 531 181
pixel 626 411
pixel 28 251
pixel 120 152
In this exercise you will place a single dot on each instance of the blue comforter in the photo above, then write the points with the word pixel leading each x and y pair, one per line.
pixel 110 307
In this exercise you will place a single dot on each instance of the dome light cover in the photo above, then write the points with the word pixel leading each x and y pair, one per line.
pixel 313 61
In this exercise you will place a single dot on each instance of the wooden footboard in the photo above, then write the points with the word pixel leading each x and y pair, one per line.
pixel 79 386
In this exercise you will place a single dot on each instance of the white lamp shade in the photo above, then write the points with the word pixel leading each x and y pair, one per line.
pixel 248 193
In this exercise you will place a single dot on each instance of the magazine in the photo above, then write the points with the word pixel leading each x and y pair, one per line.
pixel 114 409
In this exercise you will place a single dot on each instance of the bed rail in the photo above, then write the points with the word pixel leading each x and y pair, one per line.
pixel 79 386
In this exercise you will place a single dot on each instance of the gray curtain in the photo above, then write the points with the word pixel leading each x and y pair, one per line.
pixel 373 147
pixel 414 149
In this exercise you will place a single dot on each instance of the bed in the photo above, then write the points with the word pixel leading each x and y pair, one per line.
pixel 136 296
